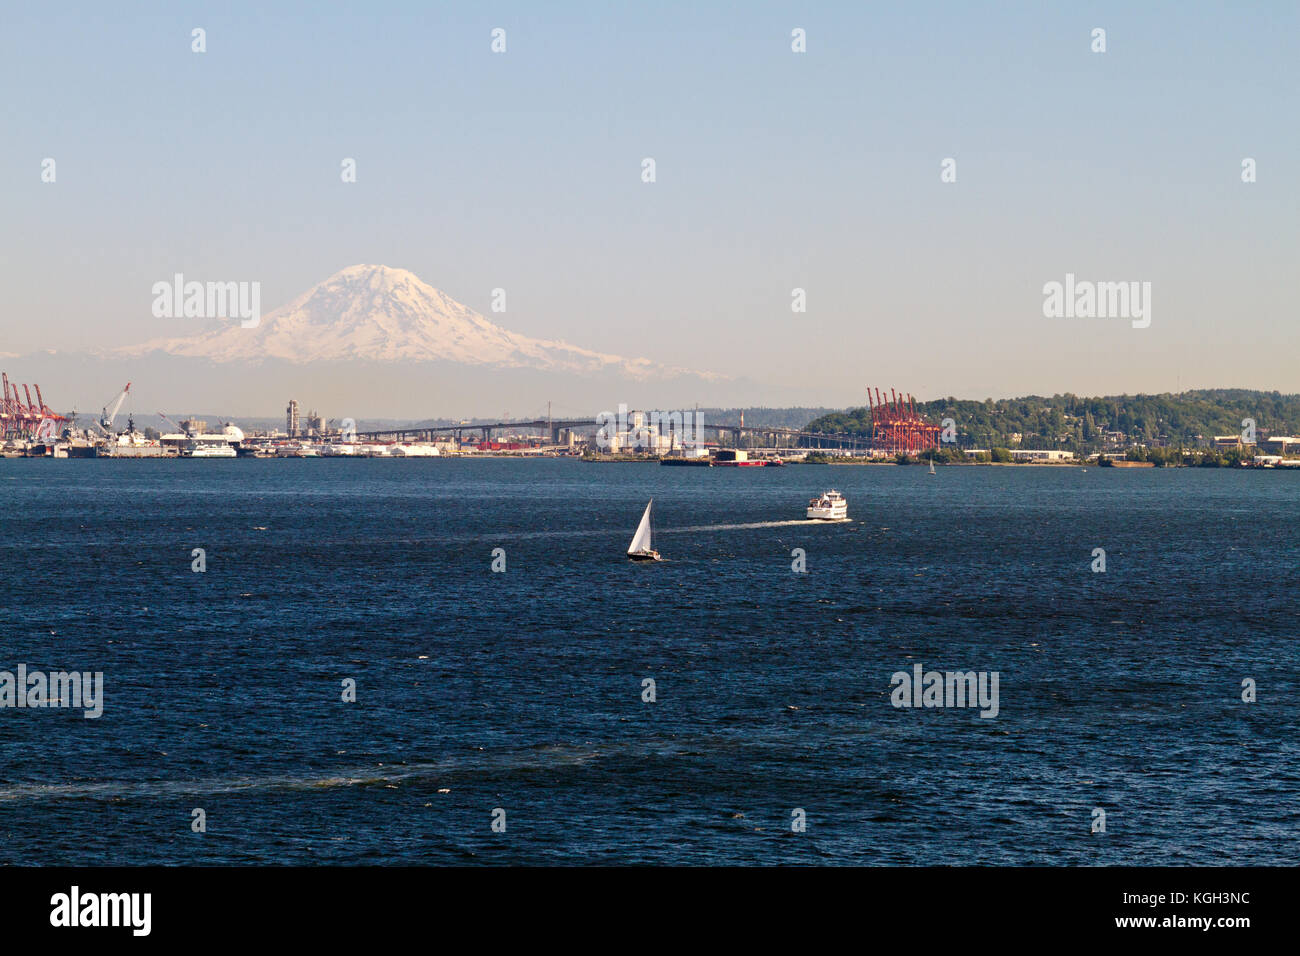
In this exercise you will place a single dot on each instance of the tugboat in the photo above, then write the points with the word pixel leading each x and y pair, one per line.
pixel 831 506
pixel 640 549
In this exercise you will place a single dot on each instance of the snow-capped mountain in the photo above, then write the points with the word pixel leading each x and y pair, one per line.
pixel 380 314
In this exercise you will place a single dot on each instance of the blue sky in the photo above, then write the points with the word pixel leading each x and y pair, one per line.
pixel 775 170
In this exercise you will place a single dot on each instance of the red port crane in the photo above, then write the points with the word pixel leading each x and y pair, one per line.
pixel 22 419
pixel 896 427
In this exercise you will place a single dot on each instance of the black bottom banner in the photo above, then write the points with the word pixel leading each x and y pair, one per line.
pixel 334 905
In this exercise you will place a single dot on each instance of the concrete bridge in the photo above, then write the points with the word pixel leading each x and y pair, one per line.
pixel 431 432
pixel 740 436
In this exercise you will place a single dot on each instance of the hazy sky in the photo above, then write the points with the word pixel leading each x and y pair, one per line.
pixel 775 170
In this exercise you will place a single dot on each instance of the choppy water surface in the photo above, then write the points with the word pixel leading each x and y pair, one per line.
pixel 523 690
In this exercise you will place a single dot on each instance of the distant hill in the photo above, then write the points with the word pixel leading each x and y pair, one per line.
pixel 1186 419
pixel 776 417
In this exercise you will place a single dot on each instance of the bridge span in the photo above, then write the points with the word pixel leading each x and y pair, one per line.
pixel 766 435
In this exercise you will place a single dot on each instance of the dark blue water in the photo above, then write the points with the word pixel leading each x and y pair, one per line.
pixel 523 690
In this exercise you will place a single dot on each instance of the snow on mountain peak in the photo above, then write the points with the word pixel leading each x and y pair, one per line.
pixel 379 313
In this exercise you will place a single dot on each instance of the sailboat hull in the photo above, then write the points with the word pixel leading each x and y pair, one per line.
pixel 644 556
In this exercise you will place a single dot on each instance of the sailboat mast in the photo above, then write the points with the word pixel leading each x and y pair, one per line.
pixel 643 539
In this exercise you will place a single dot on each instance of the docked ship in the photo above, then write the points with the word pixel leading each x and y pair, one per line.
pixel 300 449
pixel 197 442
pixel 129 444
pixel 22 448
pixel 830 506
pixel 208 446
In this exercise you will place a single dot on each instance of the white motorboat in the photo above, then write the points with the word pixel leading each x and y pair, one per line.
pixel 831 506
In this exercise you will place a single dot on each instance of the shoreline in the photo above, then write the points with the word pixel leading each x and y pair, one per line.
pixel 837 462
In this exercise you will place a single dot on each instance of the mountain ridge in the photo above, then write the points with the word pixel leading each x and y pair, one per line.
pixel 384 314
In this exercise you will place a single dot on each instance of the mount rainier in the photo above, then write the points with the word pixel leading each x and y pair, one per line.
pixel 381 314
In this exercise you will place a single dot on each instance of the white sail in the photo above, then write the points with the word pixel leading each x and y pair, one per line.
pixel 641 540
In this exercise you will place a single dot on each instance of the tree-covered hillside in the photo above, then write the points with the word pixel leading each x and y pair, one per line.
pixel 776 417
pixel 1188 419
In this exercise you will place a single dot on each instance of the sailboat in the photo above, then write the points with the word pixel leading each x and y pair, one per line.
pixel 932 464
pixel 641 548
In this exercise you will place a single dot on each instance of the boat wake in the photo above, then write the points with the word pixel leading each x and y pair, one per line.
pixel 374 775
pixel 598 532
pixel 115 790
pixel 753 524
pixel 447 772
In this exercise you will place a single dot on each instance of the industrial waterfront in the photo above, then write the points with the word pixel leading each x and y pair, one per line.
pixel 897 434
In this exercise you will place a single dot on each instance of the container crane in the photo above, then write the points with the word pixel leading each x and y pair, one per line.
pixel 896 427
pixel 19 418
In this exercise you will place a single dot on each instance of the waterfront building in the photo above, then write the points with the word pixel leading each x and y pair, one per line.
pixel 1043 454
